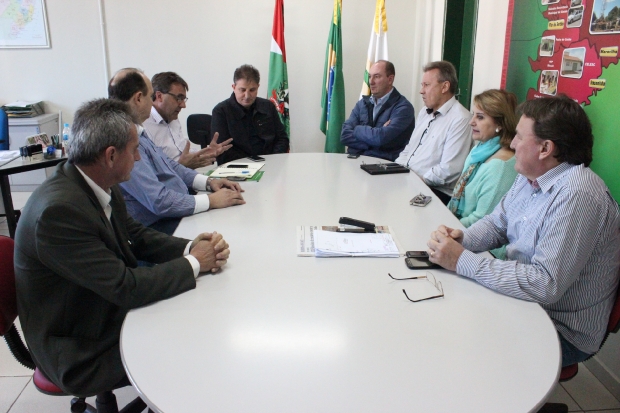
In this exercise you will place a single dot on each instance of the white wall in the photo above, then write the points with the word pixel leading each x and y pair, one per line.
pixel 489 45
pixel 203 41
pixel 68 73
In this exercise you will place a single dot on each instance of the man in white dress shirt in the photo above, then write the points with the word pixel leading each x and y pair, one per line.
pixel 164 127
pixel 441 139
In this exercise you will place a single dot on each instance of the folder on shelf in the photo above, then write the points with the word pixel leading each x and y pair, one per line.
pixel 22 109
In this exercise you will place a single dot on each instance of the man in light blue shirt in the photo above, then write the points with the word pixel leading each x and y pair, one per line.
pixel 157 194
pixel 560 224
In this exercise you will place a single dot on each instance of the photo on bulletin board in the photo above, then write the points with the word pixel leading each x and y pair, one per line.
pixel 605 17
pixel 575 17
pixel 573 61
pixel 547 45
pixel 549 82
pixel 23 24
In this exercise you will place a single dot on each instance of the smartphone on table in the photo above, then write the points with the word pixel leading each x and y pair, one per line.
pixel 416 254
pixel 256 158
pixel 420 264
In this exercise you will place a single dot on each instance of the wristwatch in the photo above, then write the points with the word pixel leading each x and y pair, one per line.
pixel 209 184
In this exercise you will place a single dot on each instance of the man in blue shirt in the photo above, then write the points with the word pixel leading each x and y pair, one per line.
pixel 157 194
pixel 560 225
pixel 381 124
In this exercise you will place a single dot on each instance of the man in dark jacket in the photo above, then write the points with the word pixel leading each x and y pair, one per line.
pixel 252 122
pixel 381 124
pixel 76 252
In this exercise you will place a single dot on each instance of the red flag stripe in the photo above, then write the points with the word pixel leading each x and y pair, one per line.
pixel 278 27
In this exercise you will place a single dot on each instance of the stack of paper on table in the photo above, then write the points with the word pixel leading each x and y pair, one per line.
pixel 8 156
pixel 348 244
pixel 243 170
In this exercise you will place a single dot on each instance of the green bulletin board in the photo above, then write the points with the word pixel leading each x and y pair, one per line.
pixel 570 47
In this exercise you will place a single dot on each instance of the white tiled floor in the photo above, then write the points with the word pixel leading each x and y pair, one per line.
pixel 584 393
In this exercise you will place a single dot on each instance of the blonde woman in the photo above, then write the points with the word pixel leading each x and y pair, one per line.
pixel 489 169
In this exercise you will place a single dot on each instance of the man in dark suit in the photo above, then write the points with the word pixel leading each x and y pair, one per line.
pixel 76 253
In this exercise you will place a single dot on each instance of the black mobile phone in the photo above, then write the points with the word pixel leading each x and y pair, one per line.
pixel 353 156
pixel 237 166
pixel 420 264
pixel 417 254
pixel 256 158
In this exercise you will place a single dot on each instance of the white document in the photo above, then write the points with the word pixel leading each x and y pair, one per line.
pixel 306 239
pixel 237 169
pixel 21 104
pixel 348 244
pixel 8 156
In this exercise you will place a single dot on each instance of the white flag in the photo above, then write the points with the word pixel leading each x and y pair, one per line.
pixel 378 47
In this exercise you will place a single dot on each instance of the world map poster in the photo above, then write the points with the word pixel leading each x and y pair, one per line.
pixel 570 47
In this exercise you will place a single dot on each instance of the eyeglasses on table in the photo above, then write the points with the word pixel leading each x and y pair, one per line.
pixel 430 278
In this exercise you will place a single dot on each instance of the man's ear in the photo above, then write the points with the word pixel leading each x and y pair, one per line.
pixel 110 156
pixel 547 149
pixel 445 87
pixel 137 97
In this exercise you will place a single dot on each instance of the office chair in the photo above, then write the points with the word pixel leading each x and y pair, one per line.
pixel 4 130
pixel 569 372
pixel 199 129
pixel 106 401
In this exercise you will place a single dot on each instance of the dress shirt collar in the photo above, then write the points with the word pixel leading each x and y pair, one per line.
pixel 445 108
pixel 157 117
pixel 103 197
pixel 141 130
pixel 381 100
pixel 549 178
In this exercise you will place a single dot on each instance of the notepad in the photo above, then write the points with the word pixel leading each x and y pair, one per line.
pixel 237 170
pixel 347 244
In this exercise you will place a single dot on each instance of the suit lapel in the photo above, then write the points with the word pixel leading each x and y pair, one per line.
pixel 119 215
pixel 117 246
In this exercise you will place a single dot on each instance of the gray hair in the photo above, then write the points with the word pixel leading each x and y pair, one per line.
pixel 447 73
pixel 97 125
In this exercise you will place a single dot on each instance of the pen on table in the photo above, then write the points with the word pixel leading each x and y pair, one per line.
pixel 233 173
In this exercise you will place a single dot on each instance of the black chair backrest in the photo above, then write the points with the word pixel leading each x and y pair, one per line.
pixel 199 129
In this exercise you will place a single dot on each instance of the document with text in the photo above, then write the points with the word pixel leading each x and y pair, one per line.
pixel 328 241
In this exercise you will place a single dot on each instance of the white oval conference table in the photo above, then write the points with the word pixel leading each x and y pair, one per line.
pixel 274 332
